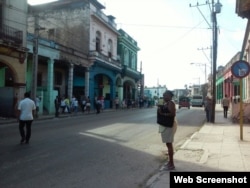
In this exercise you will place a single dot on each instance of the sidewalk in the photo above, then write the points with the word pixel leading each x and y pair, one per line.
pixel 6 121
pixel 215 147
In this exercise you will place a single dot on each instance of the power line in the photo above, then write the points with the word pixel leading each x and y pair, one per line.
pixel 158 26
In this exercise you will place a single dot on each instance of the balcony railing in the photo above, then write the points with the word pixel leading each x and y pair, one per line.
pixel 104 58
pixel 11 35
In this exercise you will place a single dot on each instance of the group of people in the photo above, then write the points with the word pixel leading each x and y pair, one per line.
pixel 27 107
pixel 65 105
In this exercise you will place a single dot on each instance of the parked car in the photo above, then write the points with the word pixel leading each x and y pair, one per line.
pixel 184 102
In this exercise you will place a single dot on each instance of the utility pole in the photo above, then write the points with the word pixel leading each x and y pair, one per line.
pixel 216 8
pixel 35 59
pixel 208 48
pixel 214 58
pixel 205 65
pixel 37 28
pixel 211 67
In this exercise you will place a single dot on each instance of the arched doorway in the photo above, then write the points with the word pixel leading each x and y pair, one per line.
pixel 129 93
pixel 103 85
pixel 8 100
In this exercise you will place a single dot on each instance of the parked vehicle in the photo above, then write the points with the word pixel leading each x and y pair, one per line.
pixel 197 100
pixel 184 102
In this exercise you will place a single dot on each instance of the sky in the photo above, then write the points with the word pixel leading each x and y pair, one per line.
pixel 175 39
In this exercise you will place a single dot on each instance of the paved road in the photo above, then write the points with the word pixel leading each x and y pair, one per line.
pixel 115 149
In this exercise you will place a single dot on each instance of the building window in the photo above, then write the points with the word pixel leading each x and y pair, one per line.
pixel 133 65
pixel 126 57
pixel 110 48
pixel 98 41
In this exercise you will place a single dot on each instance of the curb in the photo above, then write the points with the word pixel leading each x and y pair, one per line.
pixel 154 179
pixel 203 159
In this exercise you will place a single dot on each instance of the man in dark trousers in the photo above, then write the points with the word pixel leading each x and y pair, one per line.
pixel 98 106
pixel 57 105
pixel 25 114
pixel 225 105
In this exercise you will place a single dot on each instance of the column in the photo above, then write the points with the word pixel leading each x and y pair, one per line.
pixel 87 82
pixel 48 100
pixel 70 80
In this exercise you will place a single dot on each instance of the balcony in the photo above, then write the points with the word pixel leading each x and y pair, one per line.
pixel 11 36
pixel 127 71
pixel 104 60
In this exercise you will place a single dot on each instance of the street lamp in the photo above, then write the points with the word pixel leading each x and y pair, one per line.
pixel 216 8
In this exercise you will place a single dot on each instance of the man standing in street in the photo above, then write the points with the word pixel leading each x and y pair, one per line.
pixel 38 100
pixel 26 110
pixel 225 104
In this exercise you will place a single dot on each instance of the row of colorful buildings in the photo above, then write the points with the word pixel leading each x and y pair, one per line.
pixel 64 48
pixel 226 81
pixel 71 48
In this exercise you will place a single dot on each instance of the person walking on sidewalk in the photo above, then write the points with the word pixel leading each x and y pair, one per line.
pixel 208 108
pixel 26 110
pixel 225 104
pixel 168 110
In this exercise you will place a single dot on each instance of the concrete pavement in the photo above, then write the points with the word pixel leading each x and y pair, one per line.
pixel 215 147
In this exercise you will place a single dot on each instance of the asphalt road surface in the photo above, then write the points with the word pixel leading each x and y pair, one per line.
pixel 116 149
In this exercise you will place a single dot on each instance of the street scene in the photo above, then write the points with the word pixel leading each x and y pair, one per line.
pixel 118 148
pixel 112 149
pixel 95 98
